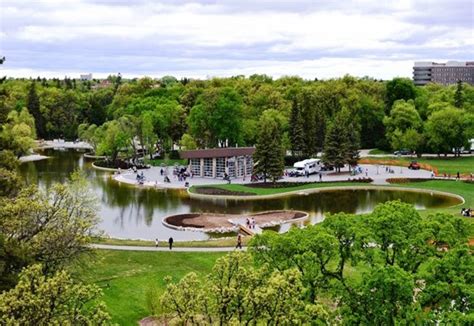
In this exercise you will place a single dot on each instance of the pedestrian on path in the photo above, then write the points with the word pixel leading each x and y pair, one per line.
pixel 156 243
pixel 320 177
pixel 457 176
pixel 366 172
pixel 239 242
pixel 170 241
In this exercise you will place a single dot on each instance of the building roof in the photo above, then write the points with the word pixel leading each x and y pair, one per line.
pixel 218 152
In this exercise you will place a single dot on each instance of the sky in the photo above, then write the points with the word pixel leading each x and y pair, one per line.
pixel 203 39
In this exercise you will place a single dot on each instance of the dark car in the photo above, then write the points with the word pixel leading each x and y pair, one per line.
pixel 402 152
pixel 414 165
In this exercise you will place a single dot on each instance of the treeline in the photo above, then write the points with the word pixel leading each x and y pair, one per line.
pixel 226 111
pixel 390 267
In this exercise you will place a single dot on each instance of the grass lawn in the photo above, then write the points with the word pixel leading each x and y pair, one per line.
pixel 451 165
pixel 126 276
pixel 271 191
pixel 377 151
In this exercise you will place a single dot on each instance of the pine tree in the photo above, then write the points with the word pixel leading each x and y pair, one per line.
pixel 336 144
pixel 269 152
pixel 33 105
pixel 309 123
pixel 353 139
pixel 320 128
pixel 296 129
pixel 458 100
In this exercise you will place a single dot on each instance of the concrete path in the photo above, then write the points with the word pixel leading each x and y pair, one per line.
pixel 379 173
pixel 163 248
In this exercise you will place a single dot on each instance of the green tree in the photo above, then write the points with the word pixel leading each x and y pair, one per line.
pixel 18 134
pixel 269 152
pixel 336 145
pixel 53 227
pixel 296 129
pixel 458 95
pixel 403 117
pixel 448 129
pixel 54 300
pixel 33 105
pixel 399 89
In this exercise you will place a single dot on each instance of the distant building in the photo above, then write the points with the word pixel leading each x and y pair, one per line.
pixel 443 73
pixel 86 77
pixel 104 83
pixel 216 162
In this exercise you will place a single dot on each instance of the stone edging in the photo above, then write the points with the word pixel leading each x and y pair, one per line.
pixel 86 155
pixel 103 169
pixel 235 228
pixel 193 195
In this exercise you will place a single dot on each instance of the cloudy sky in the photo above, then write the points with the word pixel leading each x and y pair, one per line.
pixel 203 38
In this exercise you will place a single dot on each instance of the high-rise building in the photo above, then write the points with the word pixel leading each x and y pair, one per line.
pixel 443 73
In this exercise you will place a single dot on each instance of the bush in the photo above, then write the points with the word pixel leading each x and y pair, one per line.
pixel 297 184
pixel 118 164
pixel 407 180
pixel 174 155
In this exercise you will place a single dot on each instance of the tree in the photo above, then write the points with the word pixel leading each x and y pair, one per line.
pixel 337 147
pixel 385 297
pixel 402 118
pixel 114 139
pixel 237 293
pixel 458 95
pixel 296 129
pixel 399 89
pixel 54 300
pixel 447 130
pixel 187 141
pixel 33 105
pixel 18 134
pixel 217 117
pixel 148 137
pixel 53 227
pixel 269 152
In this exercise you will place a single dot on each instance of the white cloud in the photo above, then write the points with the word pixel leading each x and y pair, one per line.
pixel 246 35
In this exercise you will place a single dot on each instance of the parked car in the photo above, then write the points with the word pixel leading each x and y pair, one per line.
pixel 402 152
pixel 414 165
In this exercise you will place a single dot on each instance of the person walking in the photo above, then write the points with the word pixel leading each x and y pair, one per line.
pixel 366 172
pixel 457 176
pixel 170 242
pixel 320 177
pixel 239 242
pixel 156 243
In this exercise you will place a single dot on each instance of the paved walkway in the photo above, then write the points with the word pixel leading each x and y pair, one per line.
pixel 163 248
pixel 378 173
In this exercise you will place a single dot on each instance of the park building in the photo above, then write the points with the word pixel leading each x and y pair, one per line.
pixel 443 73
pixel 236 162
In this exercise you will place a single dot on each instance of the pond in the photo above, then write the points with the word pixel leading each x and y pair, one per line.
pixel 134 213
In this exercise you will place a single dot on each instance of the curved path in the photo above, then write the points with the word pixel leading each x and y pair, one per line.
pixel 163 248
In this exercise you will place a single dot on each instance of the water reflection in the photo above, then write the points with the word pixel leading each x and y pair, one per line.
pixel 129 212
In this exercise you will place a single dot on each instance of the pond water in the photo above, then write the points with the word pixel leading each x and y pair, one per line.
pixel 134 213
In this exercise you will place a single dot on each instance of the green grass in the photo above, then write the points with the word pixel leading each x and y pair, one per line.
pixel 377 151
pixel 451 165
pixel 125 277
pixel 166 162
pixel 271 191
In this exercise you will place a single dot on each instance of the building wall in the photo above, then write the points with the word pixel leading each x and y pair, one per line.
pixel 235 167
pixel 443 73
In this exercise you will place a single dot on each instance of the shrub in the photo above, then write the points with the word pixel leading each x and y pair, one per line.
pixel 174 155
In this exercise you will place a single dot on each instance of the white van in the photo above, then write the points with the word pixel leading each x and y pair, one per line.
pixel 311 165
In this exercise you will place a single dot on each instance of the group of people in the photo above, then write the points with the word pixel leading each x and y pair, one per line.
pixel 170 243
pixel 467 212
pixel 250 222
pixel 140 178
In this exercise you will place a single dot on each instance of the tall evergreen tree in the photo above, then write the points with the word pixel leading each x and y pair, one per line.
pixel 319 128
pixel 458 98
pixel 269 152
pixel 309 123
pixel 336 143
pixel 33 105
pixel 353 137
pixel 296 129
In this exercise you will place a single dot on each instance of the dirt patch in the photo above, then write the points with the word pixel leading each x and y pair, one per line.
pixel 221 192
pixel 205 221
